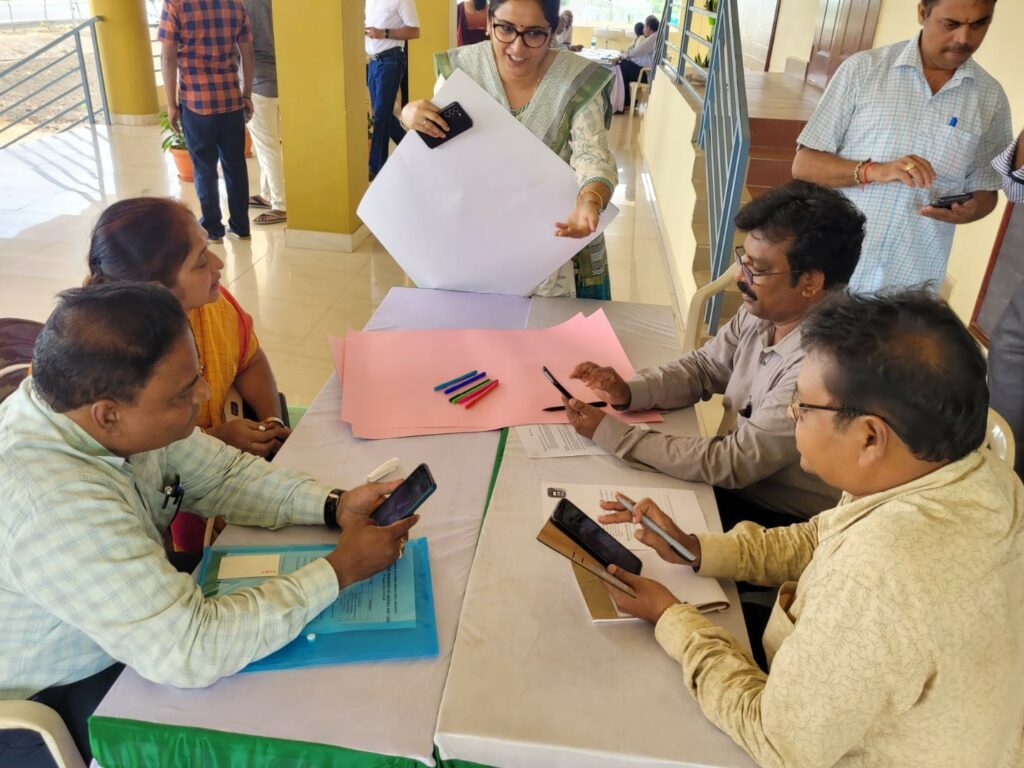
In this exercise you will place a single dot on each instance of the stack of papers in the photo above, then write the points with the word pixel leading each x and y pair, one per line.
pixel 388 378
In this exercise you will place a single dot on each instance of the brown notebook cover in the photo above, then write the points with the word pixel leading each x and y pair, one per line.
pixel 552 537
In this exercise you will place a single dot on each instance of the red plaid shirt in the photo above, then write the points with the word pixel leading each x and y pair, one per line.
pixel 207 33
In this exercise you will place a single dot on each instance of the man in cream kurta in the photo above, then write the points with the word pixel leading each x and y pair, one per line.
pixel 896 637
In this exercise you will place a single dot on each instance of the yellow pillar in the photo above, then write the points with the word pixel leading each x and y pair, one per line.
pixel 437 18
pixel 127 60
pixel 321 76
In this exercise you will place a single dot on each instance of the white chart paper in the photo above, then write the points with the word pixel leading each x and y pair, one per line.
pixel 478 213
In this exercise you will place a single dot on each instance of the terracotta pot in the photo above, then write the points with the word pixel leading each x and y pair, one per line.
pixel 184 163
pixel 248 143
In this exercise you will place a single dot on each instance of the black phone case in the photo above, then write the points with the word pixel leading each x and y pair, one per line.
pixel 458 122
pixel 630 557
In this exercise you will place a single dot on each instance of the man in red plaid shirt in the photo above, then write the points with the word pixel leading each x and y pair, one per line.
pixel 202 41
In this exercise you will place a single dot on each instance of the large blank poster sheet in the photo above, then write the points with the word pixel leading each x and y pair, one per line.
pixel 381 708
pixel 534 683
pixel 389 379
pixel 477 213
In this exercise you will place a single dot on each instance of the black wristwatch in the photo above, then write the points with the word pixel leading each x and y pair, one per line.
pixel 331 509
pixel 387 33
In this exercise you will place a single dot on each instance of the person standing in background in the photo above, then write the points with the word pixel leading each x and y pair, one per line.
pixel 1006 346
pixel 389 23
pixel 266 116
pixel 204 42
pixel 471 22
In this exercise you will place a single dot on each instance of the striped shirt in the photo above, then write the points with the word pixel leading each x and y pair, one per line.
pixel 84 579
pixel 1013 178
pixel 207 33
pixel 879 105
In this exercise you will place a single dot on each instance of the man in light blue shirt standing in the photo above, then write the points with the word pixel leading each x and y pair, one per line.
pixel 901 126
pixel 97 451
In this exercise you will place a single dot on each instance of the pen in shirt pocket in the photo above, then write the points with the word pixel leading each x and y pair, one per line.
pixel 953 121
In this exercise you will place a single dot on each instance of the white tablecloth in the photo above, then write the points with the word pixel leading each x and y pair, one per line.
pixel 533 682
pixel 605 57
pixel 388 708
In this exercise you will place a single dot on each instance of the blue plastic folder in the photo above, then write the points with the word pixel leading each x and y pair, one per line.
pixel 416 642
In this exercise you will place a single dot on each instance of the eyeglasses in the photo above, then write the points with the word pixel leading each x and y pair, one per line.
pixel 534 37
pixel 749 275
pixel 795 407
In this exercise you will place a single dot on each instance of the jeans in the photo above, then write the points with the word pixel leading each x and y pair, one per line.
pixel 213 137
pixel 384 78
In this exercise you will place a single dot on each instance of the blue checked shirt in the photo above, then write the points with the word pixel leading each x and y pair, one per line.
pixel 879 106
pixel 1013 178
pixel 84 580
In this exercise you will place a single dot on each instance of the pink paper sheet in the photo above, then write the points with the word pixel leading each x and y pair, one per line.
pixel 388 377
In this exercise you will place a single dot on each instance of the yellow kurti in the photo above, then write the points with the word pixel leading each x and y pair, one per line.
pixel 227 344
pixel 898 636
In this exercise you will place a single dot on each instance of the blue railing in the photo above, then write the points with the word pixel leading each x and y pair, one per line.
pixel 725 139
pixel 720 88
pixel 35 110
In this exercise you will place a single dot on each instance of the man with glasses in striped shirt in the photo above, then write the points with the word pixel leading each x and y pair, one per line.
pixel 803 242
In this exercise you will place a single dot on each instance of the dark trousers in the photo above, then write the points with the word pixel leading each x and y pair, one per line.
pixel 630 73
pixel 219 137
pixel 383 79
pixel 1006 371
pixel 734 508
pixel 75 703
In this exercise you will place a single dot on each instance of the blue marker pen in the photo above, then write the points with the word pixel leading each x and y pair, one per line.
pixel 952 122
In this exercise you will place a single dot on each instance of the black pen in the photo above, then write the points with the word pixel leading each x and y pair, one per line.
pixel 553 408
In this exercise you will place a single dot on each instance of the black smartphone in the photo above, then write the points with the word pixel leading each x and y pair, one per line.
pixel 948 200
pixel 407 497
pixel 600 544
pixel 555 382
pixel 458 122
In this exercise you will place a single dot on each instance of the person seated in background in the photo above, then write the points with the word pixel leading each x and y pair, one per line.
pixel 895 638
pixel 471 22
pixel 638 38
pixel 640 55
pixel 563 33
pixel 93 446
pixel 1006 345
pixel 803 241
pixel 155 239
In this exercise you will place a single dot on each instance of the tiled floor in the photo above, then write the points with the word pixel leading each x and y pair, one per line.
pixel 52 190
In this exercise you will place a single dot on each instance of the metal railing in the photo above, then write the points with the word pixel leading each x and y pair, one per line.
pixel 724 124
pixel 725 139
pixel 51 88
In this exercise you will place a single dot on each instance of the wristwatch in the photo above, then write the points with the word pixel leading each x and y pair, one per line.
pixel 387 33
pixel 331 509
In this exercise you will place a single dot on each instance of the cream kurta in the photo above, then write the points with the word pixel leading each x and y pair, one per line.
pixel 898 637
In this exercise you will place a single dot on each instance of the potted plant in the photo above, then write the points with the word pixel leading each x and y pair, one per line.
pixel 174 142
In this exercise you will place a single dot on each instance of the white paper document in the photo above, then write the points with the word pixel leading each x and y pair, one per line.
pixel 477 213
pixel 681 505
pixel 549 441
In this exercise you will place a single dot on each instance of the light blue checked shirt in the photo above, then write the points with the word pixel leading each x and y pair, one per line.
pixel 879 105
pixel 84 580
pixel 1013 178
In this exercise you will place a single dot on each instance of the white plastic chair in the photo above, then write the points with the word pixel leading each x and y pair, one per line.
pixel 695 312
pixel 642 83
pixel 33 716
pixel 1000 437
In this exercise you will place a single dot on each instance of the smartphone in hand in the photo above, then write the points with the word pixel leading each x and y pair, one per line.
pixel 406 498
pixel 555 382
pixel 458 122
pixel 948 200
pixel 597 542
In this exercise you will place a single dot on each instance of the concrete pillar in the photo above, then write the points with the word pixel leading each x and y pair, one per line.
pixel 127 60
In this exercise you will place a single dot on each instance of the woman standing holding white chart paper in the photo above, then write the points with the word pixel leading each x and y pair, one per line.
pixel 563 99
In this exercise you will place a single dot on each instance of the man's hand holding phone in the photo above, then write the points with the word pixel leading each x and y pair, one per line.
pixel 647 508
pixel 363 500
pixel 365 548
pixel 604 381
pixel 652 597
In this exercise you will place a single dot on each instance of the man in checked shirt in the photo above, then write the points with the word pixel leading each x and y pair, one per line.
pixel 202 42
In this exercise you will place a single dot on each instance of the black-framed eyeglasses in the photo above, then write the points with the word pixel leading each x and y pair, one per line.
pixel 533 37
pixel 749 275
pixel 796 406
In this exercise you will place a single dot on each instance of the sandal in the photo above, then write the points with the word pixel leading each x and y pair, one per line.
pixel 256 201
pixel 271 217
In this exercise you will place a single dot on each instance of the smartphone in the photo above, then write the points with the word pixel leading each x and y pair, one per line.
pixel 458 122
pixel 555 382
pixel 600 544
pixel 407 497
pixel 948 200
